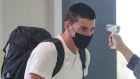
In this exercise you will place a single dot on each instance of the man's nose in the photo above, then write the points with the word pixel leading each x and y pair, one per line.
pixel 89 33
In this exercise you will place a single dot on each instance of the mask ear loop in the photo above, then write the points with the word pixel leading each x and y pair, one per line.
pixel 73 29
pixel 70 32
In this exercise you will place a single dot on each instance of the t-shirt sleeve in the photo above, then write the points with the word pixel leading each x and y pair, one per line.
pixel 87 62
pixel 43 60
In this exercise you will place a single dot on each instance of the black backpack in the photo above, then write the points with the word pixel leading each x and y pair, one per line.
pixel 22 41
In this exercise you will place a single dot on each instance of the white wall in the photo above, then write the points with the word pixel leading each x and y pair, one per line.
pixel 54 16
pixel 57 16
pixel 41 13
pixel 1 32
pixel 1 25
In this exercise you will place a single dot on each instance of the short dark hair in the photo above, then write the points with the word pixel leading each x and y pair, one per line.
pixel 79 10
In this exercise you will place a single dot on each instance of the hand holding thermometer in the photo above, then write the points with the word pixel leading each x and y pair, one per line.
pixel 114 29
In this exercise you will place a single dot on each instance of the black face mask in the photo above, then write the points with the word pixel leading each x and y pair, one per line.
pixel 81 41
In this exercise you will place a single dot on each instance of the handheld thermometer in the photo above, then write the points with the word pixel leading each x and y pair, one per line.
pixel 114 29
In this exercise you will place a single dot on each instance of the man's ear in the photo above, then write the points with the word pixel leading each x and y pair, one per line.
pixel 67 25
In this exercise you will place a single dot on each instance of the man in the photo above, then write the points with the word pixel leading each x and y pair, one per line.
pixel 79 29
pixel 132 59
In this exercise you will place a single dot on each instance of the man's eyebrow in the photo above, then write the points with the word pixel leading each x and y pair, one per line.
pixel 83 26
pixel 86 27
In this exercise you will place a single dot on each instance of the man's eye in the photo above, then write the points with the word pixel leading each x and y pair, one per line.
pixel 84 29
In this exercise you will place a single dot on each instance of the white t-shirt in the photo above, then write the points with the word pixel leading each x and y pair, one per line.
pixel 44 57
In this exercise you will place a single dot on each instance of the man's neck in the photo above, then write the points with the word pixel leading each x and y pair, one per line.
pixel 69 42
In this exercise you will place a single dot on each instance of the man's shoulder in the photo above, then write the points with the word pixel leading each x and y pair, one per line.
pixel 44 47
pixel 46 44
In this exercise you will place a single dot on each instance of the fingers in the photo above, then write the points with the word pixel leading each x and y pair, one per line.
pixel 117 39
pixel 115 36
pixel 119 42
pixel 110 41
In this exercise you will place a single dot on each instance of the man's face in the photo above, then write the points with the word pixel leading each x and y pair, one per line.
pixel 83 26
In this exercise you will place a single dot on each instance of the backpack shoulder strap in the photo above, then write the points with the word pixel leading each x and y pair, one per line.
pixel 60 56
pixel 83 59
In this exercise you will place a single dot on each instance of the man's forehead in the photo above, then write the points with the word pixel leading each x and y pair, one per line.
pixel 86 22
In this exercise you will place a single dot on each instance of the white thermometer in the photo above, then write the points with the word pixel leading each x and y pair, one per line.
pixel 114 29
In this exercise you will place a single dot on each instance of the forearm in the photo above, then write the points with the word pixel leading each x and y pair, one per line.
pixel 127 53
pixel 133 61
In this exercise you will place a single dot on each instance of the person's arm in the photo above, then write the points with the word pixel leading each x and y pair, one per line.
pixel 120 46
pixel 132 59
